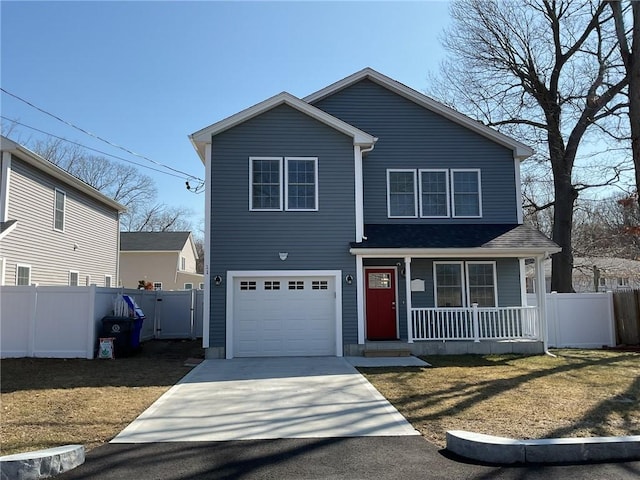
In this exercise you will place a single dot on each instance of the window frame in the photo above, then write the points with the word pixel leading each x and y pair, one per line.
pixel 77 274
pixel 190 286
pixel 447 187
pixel 183 263
pixel 63 212
pixel 453 191
pixel 281 189
pixel 18 267
pixel 463 295
pixel 201 286
pixel 110 282
pixel 495 281
pixel 157 286
pixel 286 183
pixel 415 191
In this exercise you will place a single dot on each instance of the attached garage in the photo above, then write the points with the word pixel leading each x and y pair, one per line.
pixel 277 314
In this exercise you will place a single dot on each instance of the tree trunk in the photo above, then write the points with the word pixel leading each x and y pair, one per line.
pixel 562 262
pixel 634 93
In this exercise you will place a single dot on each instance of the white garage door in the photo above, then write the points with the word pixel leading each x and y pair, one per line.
pixel 284 316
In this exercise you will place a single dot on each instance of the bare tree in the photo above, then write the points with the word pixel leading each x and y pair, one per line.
pixel 543 71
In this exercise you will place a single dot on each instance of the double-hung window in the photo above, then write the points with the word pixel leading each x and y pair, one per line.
pixel 73 278
pixel 23 275
pixel 402 199
pixel 58 210
pixel 434 193
pixel 466 195
pixel 289 183
pixel 459 284
pixel 481 281
pixel 449 284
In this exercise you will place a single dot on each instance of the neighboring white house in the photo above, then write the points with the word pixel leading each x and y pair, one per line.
pixel 609 273
pixel 166 260
pixel 54 228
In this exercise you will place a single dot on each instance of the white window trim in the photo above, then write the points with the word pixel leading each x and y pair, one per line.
pixel 453 192
pixel 286 183
pixel 446 173
pixel 495 280
pixel 23 265
pixel 463 293
pixel 183 263
pixel 251 209
pixel 110 277
pixel 157 283
pixel 77 277
pixel 188 288
pixel 201 286
pixel 64 209
pixel 415 191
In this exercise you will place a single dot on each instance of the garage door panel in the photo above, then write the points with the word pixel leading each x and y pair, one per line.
pixel 296 321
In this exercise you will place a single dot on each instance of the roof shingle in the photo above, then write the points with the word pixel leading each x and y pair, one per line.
pixel 153 241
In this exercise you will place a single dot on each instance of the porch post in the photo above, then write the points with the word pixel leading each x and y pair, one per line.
pixel 407 283
pixel 541 293
pixel 360 298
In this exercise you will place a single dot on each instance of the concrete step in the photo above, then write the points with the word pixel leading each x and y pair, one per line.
pixel 391 352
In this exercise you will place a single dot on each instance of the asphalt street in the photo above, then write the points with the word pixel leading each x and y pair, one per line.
pixel 370 458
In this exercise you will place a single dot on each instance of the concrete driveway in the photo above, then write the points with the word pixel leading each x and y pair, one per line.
pixel 268 398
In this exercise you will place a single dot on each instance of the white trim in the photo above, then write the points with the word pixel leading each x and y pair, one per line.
pixel 203 137
pixel 453 192
pixel 397 309
pixel 77 278
pixel 286 183
pixel 476 252
pixel 463 296
pixel 520 150
pixel 5 175
pixel 523 282
pixel 23 265
pixel 359 192
pixel 157 286
pixel 495 279
pixel 446 180
pixel 251 208
pixel 233 274
pixel 407 286
pixel 415 191
pixel 110 277
pixel 188 283
pixel 360 299
pixel 518 180
pixel 3 263
pixel 56 191
pixel 8 230
pixel 207 247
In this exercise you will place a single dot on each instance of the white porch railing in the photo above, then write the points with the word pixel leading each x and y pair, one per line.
pixel 475 323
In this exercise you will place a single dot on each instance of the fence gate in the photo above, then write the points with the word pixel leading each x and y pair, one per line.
pixel 174 314
pixel 626 305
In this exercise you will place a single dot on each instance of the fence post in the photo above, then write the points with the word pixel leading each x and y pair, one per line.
pixel 91 322
pixel 31 339
pixel 476 322
pixel 611 319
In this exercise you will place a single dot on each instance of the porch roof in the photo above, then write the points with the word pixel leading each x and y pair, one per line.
pixel 487 237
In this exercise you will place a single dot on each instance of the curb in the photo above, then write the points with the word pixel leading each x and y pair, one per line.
pixel 501 450
pixel 41 463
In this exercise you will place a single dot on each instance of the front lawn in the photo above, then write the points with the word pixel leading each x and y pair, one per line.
pixel 579 393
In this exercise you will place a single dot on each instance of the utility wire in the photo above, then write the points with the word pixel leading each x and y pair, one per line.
pixel 96 136
pixel 98 151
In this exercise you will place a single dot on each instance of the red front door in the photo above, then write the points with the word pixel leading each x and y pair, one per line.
pixel 381 303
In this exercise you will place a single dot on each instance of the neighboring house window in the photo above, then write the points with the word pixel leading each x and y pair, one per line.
pixel 73 278
pixel 87 280
pixel 265 183
pixel 481 281
pixel 448 284
pixel 23 275
pixel 59 205
pixel 434 193
pixel 183 263
pixel 401 193
pixel 465 188
pixel 157 285
pixel 201 286
pixel 188 286
pixel 602 282
pixel 623 281
pixel 107 281
pixel 302 183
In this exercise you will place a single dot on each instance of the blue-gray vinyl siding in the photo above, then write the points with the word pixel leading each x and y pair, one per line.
pixel 507 273
pixel 412 137
pixel 251 240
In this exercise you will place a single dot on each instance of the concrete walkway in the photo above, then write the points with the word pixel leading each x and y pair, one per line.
pixel 268 398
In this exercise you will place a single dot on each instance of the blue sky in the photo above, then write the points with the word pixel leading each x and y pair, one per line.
pixel 144 75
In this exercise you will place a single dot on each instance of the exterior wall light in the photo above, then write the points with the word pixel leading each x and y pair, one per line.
pixel 349 279
pixel 217 280
pixel 283 255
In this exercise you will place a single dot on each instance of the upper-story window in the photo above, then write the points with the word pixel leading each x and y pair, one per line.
pixel 441 193
pixel 465 186
pixel 58 210
pixel 183 263
pixel 401 193
pixel 296 177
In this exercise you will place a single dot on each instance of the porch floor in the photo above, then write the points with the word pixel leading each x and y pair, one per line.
pixel 450 347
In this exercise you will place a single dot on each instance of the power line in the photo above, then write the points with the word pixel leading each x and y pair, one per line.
pixel 97 136
pixel 98 151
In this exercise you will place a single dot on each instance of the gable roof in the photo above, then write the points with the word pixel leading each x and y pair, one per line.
pixel 202 137
pixel 6 227
pixel 520 150
pixel 153 241
pixel 51 169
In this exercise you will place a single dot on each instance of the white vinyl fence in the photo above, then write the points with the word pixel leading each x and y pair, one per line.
pixel 65 322
pixel 580 320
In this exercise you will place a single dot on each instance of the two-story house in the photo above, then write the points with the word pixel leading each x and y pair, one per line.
pixel 165 260
pixel 54 228
pixel 360 216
